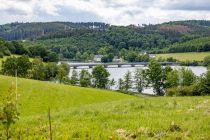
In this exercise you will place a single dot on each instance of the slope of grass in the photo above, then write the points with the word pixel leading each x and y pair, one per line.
pixel 198 56
pixel 82 113
pixel 36 96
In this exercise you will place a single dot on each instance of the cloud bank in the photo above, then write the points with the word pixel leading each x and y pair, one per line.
pixel 118 12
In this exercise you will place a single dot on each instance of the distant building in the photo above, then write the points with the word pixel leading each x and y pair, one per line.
pixel 94 27
pixel 97 58
pixel 143 53
pixel 116 59
pixel 152 55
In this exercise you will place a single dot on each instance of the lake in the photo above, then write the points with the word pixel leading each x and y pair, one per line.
pixel 116 73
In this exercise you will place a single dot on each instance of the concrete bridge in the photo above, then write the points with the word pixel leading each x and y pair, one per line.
pixel 118 65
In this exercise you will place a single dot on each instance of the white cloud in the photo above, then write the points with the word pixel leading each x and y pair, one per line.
pixel 120 12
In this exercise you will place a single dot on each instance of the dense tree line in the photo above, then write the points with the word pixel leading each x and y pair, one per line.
pixel 163 80
pixel 196 45
pixel 98 78
pixel 8 48
pixel 166 81
pixel 22 31
pixel 37 69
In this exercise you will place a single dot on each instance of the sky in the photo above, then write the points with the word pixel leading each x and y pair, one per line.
pixel 115 12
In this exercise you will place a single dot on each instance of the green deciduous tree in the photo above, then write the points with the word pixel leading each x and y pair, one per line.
pixel 38 69
pixel 20 64
pixel 112 83
pixel 187 77
pixel 154 76
pixel 100 75
pixel 172 79
pixel 127 81
pixel 63 71
pixel 121 84
pixel 74 78
pixel 51 70
pixel 139 80
pixel 85 78
pixel 204 83
pixel 206 61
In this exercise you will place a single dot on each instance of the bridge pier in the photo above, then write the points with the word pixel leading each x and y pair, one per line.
pixel 132 65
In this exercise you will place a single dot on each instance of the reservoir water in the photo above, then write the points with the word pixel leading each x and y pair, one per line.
pixel 116 73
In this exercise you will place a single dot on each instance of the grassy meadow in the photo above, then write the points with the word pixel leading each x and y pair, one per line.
pixel 198 56
pixel 84 113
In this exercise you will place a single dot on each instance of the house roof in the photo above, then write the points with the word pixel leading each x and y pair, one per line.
pixel 98 56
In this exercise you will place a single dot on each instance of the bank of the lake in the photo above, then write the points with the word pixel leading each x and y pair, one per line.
pixel 117 73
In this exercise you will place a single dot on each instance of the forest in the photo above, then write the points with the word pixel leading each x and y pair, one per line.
pixel 81 41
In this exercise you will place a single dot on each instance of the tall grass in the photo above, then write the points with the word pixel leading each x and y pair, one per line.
pixel 82 113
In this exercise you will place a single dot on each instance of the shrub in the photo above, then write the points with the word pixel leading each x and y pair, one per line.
pixel 7 53
pixel 171 59
pixel 183 91
pixel 171 92
pixel 1 55
pixel 190 63
pixel 206 61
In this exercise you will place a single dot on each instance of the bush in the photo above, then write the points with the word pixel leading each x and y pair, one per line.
pixel 171 59
pixel 183 91
pixel 190 63
pixel 206 61
pixel 171 92
pixel 1 55
pixel 7 53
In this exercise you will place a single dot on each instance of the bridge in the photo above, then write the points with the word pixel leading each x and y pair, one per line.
pixel 118 65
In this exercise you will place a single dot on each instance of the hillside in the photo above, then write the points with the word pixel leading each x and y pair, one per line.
pixel 80 113
pixel 81 41
pixel 21 31
pixel 195 45
pixel 37 96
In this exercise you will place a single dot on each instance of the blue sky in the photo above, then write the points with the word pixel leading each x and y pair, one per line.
pixel 117 12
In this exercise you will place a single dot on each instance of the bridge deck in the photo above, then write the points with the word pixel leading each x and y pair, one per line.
pixel 90 65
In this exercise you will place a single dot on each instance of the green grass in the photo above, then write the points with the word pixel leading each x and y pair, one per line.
pixel 83 113
pixel 198 56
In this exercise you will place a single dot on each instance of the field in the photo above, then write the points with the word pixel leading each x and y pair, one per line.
pixel 198 56
pixel 83 113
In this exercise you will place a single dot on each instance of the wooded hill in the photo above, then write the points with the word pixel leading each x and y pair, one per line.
pixel 83 40
pixel 20 31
